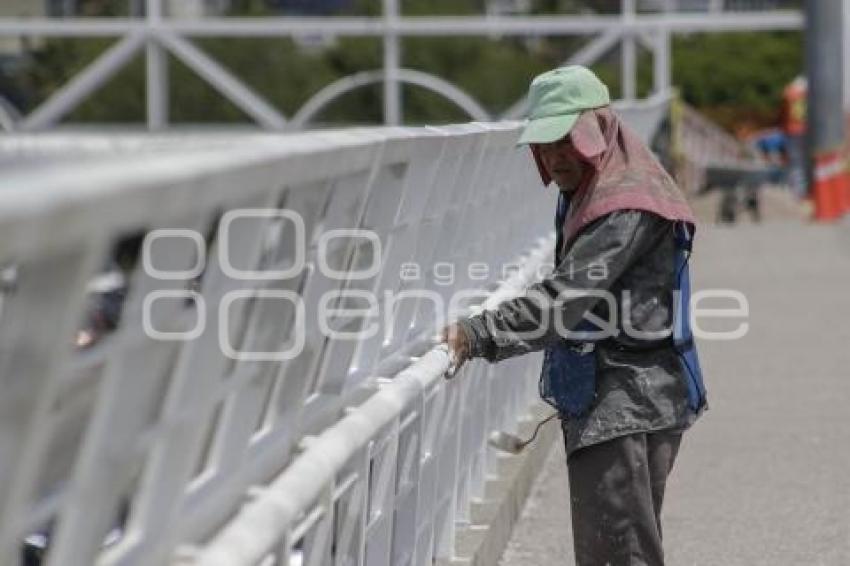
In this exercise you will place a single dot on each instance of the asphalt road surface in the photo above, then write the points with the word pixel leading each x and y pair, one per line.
pixel 764 477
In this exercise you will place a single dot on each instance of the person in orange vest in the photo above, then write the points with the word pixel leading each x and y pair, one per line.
pixel 793 123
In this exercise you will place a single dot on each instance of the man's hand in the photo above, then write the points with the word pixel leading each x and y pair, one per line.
pixel 458 345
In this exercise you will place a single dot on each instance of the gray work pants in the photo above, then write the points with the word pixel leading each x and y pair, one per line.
pixel 616 492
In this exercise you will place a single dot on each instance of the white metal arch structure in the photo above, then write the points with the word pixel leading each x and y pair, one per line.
pixel 640 21
pixel 328 94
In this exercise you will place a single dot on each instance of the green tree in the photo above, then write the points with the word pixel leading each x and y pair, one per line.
pixel 737 77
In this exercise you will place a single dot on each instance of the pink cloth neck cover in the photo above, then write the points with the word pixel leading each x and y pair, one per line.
pixel 624 174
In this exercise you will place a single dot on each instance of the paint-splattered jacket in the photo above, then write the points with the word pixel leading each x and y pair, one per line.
pixel 640 384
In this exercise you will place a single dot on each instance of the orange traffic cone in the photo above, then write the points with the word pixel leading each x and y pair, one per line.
pixel 828 191
pixel 844 189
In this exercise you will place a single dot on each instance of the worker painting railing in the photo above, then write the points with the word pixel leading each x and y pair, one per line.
pixel 223 272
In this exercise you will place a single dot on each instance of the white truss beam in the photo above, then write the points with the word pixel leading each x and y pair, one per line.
pixel 224 82
pixel 586 56
pixel 84 83
pixel 413 26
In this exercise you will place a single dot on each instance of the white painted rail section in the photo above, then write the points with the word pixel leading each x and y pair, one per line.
pixel 159 442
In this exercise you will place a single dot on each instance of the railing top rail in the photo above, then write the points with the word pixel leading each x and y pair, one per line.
pixel 173 170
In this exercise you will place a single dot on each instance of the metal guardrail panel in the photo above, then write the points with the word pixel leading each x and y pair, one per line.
pixel 708 155
pixel 172 433
pixel 645 116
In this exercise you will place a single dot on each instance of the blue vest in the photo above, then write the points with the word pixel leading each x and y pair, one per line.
pixel 683 338
pixel 568 378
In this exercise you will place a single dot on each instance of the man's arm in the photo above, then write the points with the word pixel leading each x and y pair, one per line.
pixel 598 257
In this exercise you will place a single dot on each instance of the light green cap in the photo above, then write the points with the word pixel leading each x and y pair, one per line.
pixel 557 98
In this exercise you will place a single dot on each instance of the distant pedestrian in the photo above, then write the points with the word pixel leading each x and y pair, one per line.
pixel 794 126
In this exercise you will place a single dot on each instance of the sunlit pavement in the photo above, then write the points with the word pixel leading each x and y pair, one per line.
pixel 764 477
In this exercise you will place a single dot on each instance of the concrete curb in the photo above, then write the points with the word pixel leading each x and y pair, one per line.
pixel 483 540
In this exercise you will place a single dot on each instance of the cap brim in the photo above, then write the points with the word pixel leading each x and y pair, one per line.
pixel 549 129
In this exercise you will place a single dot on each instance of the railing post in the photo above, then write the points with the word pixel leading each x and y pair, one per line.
pixel 392 57
pixel 156 61
pixel 661 60
pixel 629 53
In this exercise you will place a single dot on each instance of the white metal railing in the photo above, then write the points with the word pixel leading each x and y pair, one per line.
pixel 393 478
pixel 706 142
pixel 153 444
pixel 701 144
